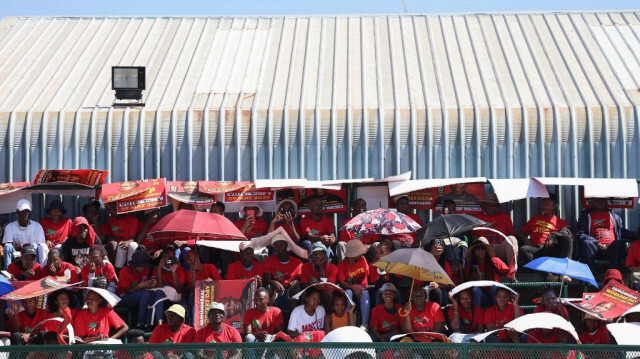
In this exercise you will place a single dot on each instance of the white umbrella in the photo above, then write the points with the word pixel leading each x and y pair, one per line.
pixel 347 334
pixel 535 321
pixel 625 333
pixel 111 298
pixel 634 309
pixel 479 283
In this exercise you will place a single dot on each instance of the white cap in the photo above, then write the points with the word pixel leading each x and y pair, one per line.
pixel 23 204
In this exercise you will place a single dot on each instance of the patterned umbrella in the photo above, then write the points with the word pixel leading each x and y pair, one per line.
pixel 381 221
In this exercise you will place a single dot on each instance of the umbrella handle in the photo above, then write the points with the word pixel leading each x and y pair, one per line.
pixel 403 312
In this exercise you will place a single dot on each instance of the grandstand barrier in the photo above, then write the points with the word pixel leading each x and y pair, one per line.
pixel 323 350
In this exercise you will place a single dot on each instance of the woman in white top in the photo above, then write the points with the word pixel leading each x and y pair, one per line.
pixel 308 316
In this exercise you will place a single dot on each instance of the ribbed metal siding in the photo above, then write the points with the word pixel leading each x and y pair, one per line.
pixel 495 95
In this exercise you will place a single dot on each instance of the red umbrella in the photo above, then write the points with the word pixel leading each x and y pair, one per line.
pixel 195 225
pixel 381 221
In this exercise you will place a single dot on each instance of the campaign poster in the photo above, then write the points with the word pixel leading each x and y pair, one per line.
pixel 6 188
pixel 250 194
pixel 611 302
pixel 35 288
pixel 612 202
pixel 84 177
pixel 131 196
pixel 236 295
pixel 333 201
pixel 215 187
pixel 467 197
pixel 422 199
pixel 189 192
pixel 41 300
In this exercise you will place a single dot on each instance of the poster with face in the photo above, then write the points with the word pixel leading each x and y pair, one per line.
pixel 466 196
pixel 235 295
pixel 84 177
pixel 189 192
pixel 613 300
pixel 6 188
pixel 332 201
pixel 131 196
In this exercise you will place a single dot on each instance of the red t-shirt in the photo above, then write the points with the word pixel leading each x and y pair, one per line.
pixel 346 236
pixel 44 272
pixel 425 320
pixel 267 322
pixel 163 334
pixel 228 334
pixel 284 273
pixel 356 273
pixel 633 257
pixel 500 269
pixel 602 227
pixel 56 232
pixel 16 271
pixel 539 227
pixel 259 228
pixel 86 324
pixel 501 222
pixel 497 318
pixel 52 325
pixel 130 279
pixel 121 229
pixel 310 276
pixel 471 320
pixel 106 269
pixel 384 322
pixel 209 271
pixel 320 228
pixel 27 324
pixel 562 312
pixel 599 337
pixel 167 276
pixel 237 271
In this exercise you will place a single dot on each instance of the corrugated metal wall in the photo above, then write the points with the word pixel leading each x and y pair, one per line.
pixel 495 95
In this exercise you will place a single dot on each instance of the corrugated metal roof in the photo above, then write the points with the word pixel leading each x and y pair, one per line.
pixel 326 97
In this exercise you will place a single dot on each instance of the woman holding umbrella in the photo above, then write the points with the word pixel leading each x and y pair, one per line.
pixel 423 316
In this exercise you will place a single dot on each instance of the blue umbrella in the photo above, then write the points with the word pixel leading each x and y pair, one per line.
pixel 5 286
pixel 563 266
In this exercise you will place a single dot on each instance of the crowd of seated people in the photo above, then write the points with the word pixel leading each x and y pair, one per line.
pixel 116 254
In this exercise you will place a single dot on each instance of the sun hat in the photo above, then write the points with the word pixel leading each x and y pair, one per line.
pixel 217 306
pixel 388 286
pixel 319 247
pixel 56 204
pixel 480 242
pixel 177 309
pixel 252 204
pixel 355 248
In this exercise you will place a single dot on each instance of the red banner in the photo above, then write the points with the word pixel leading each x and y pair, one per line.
pixel 422 199
pixel 612 202
pixel 250 194
pixel 613 300
pixel 189 192
pixel 6 188
pixel 332 201
pixel 215 187
pixel 467 197
pixel 138 195
pixel 236 295
pixel 89 178
pixel 36 288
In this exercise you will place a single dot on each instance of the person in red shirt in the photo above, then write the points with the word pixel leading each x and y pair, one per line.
pixel 406 239
pixel 95 322
pixel 252 225
pixel 359 206
pixel 353 273
pixel 26 320
pixel 600 234
pixel 550 303
pixel 482 264
pixel 99 267
pixel 120 235
pixel 464 317
pixel 246 267
pixel 505 249
pixel 286 213
pixel 169 272
pixel 385 318
pixel 423 316
pixel 439 293
pixel 26 268
pixel 153 246
pixel 319 269
pixel 595 332
pixel 57 302
pixel 282 273
pixel 502 313
pixel 197 271
pixel 535 232
pixel 135 288
pixel 56 227
pixel 316 226
pixel 218 332
pixel 55 267
pixel 174 330
pixel 263 321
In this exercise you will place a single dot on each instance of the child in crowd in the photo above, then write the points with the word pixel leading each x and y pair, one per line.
pixel 308 316
pixel 341 317
pixel 502 313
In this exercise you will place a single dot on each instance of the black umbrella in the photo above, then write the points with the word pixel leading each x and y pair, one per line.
pixel 450 225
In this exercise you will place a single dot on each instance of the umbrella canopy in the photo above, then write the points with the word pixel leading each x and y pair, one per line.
pixel 111 299
pixel 197 225
pixel 479 283
pixel 381 221
pixel 535 321
pixel 415 263
pixel 625 333
pixel 450 225
pixel 563 266
pixel 5 285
